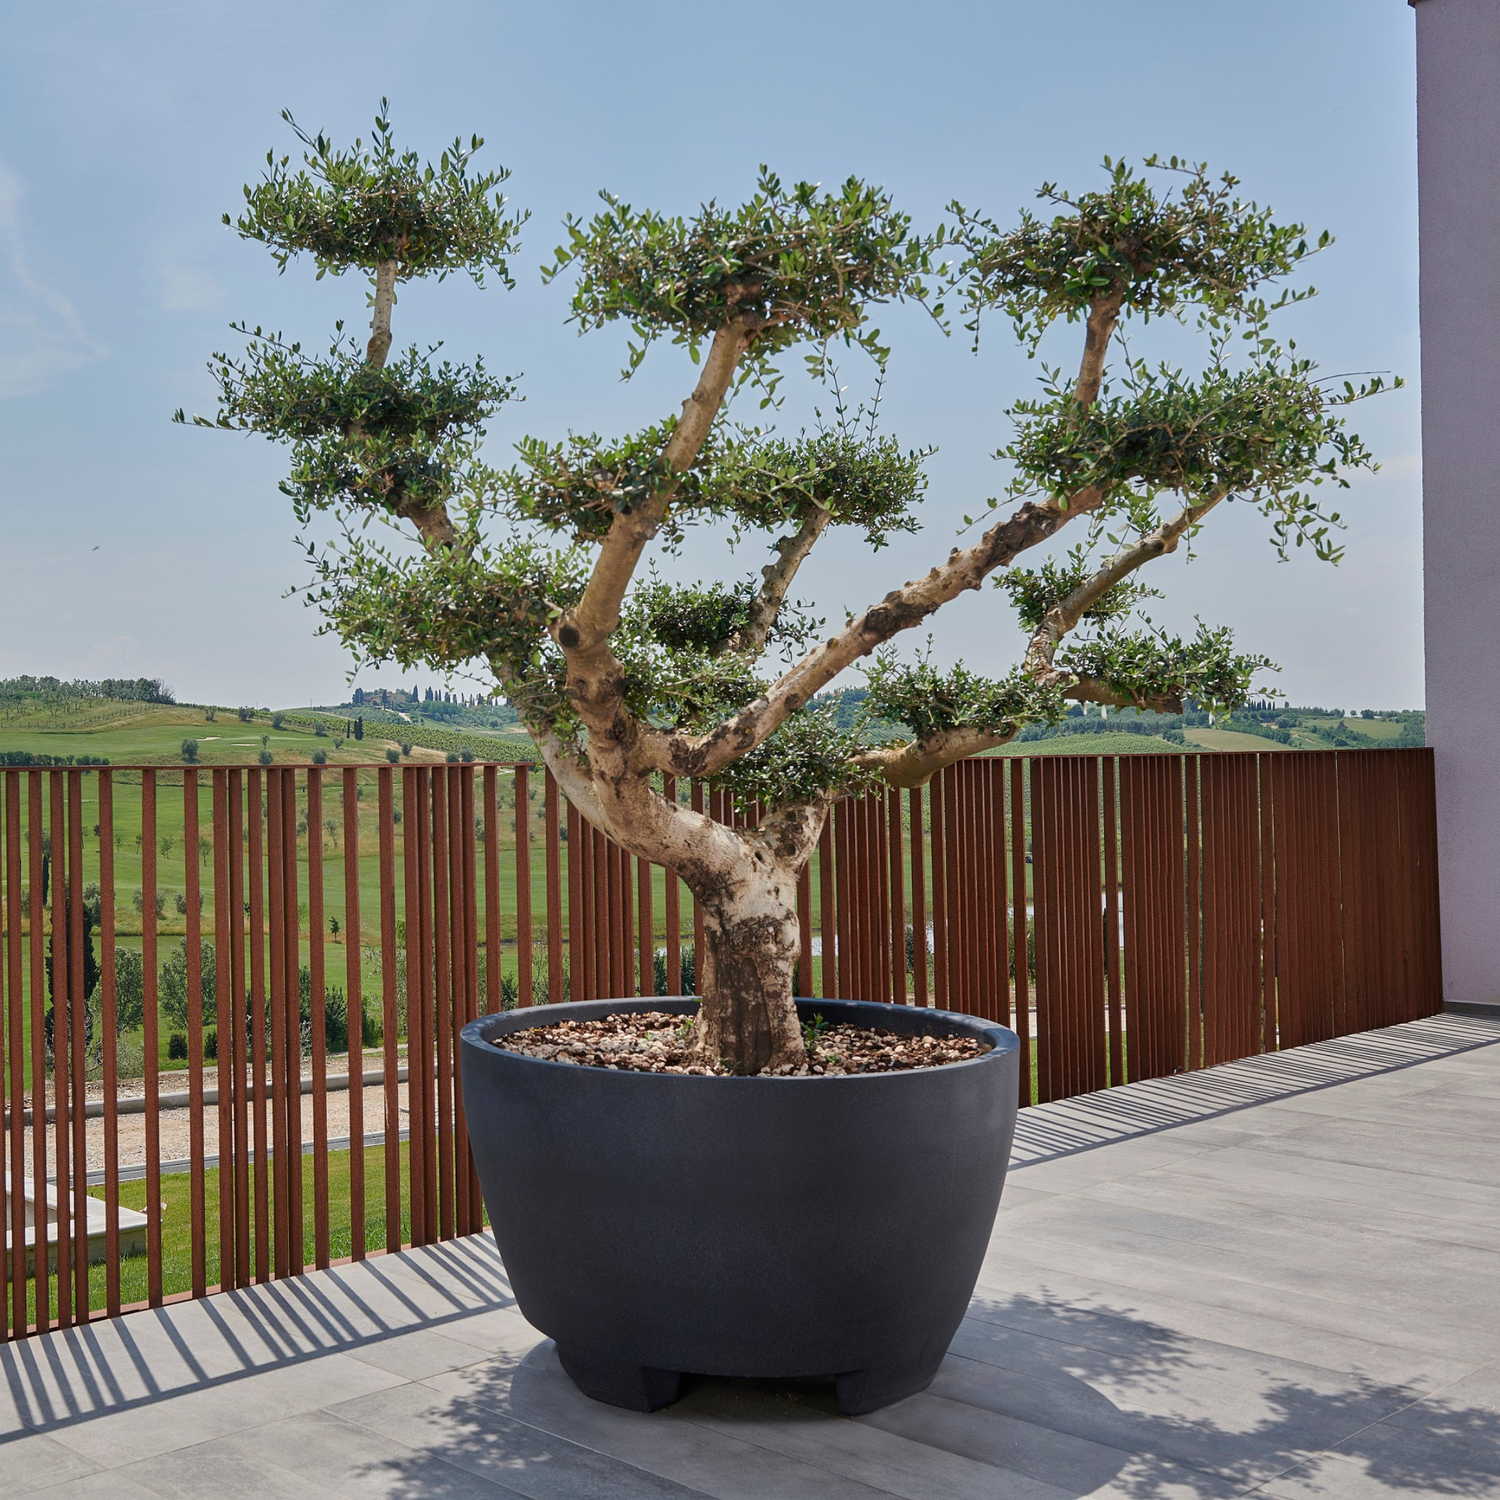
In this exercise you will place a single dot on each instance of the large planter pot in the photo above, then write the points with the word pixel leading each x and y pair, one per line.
pixel 657 1225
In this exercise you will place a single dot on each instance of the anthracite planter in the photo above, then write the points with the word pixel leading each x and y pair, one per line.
pixel 659 1224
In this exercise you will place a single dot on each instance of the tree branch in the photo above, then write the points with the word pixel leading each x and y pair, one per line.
pixel 575 780
pixel 1067 612
pixel 434 525
pixel 1091 690
pixel 915 764
pixel 901 609
pixel 583 632
pixel 792 553
pixel 380 319
pixel 1104 313
pixel 791 831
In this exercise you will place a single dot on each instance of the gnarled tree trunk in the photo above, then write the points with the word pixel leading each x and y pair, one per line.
pixel 751 942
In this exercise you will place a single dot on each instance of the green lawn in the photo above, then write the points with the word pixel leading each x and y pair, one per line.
pixel 1093 744
pixel 1230 739
pixel 152 734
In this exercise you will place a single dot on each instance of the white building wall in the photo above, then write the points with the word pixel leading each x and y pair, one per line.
pixel 1458 131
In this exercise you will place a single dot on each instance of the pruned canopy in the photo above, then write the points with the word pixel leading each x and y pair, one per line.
pixel 539 567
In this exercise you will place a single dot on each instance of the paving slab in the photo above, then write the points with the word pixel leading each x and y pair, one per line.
pixel 1272 1278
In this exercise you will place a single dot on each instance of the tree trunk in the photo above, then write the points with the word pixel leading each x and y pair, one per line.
pixel 751 940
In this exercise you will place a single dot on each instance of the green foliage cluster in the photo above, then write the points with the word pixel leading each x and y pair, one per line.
pixel 1158 253
pixel 373 203
pixel 40 758
pixel 1265 435
pixel 790 264
pixel 1036 591
pixel 399 436
pixel 1155 665
pixel 811 756
pixel 756 481
pixel 928 701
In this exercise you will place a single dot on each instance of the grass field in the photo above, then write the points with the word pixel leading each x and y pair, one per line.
pixel 1374 729
pixel 1230 739
pixel 152 734
pixel 1094 744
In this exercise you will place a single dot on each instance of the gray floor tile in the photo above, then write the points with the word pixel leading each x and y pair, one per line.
pixel 1333 1477
pixel 29 1463
pixel 107 1484
pixel 124 1437
pixel 477 1436
pixel 1059 1459
pixel 342 1458
pixel 886 1458
pixel 416 1355
pixel 705 1460
pixel 216 1470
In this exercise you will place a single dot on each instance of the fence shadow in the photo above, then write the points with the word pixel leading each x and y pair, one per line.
pixel 153 1355
pixel 1045 1132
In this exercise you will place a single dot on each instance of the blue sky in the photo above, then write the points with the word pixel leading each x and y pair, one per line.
pixel 136 547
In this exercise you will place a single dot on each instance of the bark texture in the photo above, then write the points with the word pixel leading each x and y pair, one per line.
pixel 379 345
pixel 751 942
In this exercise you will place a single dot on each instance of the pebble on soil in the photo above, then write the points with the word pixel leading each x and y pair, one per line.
pixel 657 1042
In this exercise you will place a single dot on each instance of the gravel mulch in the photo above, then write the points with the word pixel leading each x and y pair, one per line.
pixel 656 1042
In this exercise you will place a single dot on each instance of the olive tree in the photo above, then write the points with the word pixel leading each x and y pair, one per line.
pixel 535 571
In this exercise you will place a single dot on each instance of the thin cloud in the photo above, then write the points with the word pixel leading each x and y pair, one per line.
pixel 41 335
pixel 187 289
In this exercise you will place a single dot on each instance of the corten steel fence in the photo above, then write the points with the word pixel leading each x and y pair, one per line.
pixel 1131 917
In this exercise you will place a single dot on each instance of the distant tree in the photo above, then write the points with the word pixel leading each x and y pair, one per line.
pixel 406 747
pixel 244 715
pixel 190 751
pixel 319 728
pixel 358 697
pixel 320 757
pixel 90 906
pixel 265 757
pixel 394 756
pixel 278 721
pixel 172 984
pixel 466 756
pixel 205 848
pixel 210 715
pixel 451 757
pixel 130 990
pixel 333 928
pixel 138 900
pixel 165 843
pixel 338 744
pixel 265 741
pixel 331 828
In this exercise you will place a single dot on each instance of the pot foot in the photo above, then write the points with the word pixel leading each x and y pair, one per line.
pixel 635 1387
pixel 861 1391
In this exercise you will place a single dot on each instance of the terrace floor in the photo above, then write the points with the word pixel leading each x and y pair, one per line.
pixel 1276 1277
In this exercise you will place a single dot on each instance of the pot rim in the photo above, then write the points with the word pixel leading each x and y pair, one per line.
pixel 477 1033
